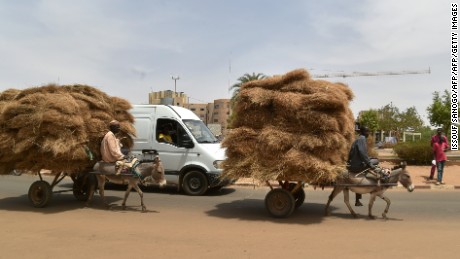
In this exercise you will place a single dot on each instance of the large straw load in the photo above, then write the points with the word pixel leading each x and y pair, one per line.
pixel 290 127
pixel 58 128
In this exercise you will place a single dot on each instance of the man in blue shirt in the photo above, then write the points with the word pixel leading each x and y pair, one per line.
pixel 358 158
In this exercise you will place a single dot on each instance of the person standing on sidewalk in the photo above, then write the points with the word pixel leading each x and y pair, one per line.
pixel 435 139
pixel 439 149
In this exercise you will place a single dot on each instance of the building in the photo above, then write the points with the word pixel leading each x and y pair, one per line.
pixel 200 109
pixel 221 112
pixel 168 97
pixel 212 114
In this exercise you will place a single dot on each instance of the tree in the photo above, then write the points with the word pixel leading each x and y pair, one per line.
pixel 236 87
pixel 409 119
pixel 439 111
pixel 388 118
pixel 244 79
pixel 369 118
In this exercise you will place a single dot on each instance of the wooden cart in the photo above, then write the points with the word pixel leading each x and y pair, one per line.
pixel 281 201
pixel 40 192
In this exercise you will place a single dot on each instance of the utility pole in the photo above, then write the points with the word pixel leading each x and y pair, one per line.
pixel 175 78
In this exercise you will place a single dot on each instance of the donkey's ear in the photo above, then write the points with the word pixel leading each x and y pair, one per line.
pixel 403 164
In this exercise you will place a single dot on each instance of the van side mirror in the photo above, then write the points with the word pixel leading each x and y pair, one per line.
pixel 186 141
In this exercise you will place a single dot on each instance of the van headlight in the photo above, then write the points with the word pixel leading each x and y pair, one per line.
pixel 218 164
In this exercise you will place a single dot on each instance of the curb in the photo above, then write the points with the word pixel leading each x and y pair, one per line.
pixel 423 187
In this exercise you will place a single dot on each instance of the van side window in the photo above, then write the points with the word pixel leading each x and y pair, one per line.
pixel 166 131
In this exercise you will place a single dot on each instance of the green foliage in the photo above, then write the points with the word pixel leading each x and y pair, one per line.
pixel 427 133
pixel 236 90
pixel 391 119
pixel 388 118
pixel 369 119
pixel 409 119
pixel 416 153
pixel 439 111
pixel 244 79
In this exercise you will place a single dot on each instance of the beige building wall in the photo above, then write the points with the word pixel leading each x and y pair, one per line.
pixel 200 109
pixel 220 113
pixel 168 97
pixel 210 107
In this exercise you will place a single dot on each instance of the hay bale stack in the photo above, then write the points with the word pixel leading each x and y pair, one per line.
pixel 58 128
pixel 290 127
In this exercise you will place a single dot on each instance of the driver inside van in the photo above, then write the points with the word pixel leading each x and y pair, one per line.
pixel 164 135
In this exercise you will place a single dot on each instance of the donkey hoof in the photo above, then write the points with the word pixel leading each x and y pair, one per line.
pixel 144 209
pixel 354 215
pixel 371 217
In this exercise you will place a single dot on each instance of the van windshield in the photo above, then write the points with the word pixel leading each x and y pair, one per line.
pixel 201 133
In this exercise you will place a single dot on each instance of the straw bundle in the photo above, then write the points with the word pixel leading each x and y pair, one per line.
pixel 58 128
pixel 290 127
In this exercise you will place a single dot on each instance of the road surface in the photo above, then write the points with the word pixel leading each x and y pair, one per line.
pixel 230 224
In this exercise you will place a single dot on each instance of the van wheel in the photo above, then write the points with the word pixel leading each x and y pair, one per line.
pixel 195 183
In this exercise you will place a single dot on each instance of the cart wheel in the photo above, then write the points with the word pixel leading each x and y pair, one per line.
pixel 280 203
pixel 82 186
pixel 299 195
pixel 40 194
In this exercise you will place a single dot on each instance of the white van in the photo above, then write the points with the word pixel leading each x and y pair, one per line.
pixel 191 154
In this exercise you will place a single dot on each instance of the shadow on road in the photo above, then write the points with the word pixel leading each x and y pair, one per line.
pixel 254 210
pixel 60 202
pixel 67 202
pixel 169 190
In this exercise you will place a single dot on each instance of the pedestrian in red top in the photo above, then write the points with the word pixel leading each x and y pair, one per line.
pixel 435 139
pixel 439 149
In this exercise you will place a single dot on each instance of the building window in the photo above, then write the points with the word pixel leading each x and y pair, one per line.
pixel 201 109
pixel 216 120
pixel 216 106
pixel 192 109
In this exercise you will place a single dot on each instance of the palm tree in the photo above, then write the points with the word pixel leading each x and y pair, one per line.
pixel 244 79
pixel 236 87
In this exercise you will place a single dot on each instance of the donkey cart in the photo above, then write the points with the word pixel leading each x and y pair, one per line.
pixel 40 192
pixel 282 201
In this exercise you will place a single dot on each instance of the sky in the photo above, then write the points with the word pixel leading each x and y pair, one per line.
pixel 129 48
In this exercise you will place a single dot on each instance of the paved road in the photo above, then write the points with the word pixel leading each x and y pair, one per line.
pixel 229 224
